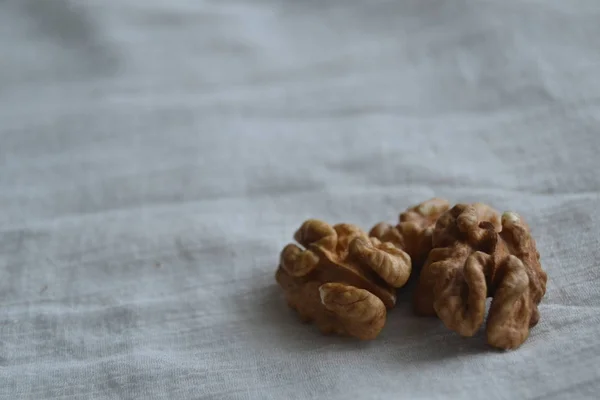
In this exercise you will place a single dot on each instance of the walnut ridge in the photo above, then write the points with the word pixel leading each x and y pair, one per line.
pixel 478 255
pixel 414 231
pixel 342 280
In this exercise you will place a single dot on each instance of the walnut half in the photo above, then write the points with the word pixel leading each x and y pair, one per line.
pixel 342 280
pixel 476 255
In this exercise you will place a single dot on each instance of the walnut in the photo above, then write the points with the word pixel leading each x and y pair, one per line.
pixel 476 255
pixel 343 280
pixel 414 230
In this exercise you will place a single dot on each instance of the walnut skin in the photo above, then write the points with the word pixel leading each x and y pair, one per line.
pixel 414 231
pixel 476 255
pixel 343 281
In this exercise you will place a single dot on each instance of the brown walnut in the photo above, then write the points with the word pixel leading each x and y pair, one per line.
pixel 342 280
pixel 475 256
pixel 414 231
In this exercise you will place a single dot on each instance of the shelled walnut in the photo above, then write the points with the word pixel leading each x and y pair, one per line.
pixel 343 280
pixel 413 233
pixel 475 256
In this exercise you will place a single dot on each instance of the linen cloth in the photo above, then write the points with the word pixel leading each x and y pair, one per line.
pixel 155 156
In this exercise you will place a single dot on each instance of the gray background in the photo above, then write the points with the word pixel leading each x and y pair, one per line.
pixel 156 155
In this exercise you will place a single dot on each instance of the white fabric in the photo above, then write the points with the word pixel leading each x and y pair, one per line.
pixel 156 155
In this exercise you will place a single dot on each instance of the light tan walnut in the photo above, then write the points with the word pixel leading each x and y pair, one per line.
pixel 342 280
pixel 475 257
pixel 414 231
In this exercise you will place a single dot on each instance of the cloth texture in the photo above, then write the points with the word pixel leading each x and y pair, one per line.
pixel 156 156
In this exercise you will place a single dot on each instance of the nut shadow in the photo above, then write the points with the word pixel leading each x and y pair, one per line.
pixel 425 339
pixel 415 339
pixel 275 324
pixel 406 338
